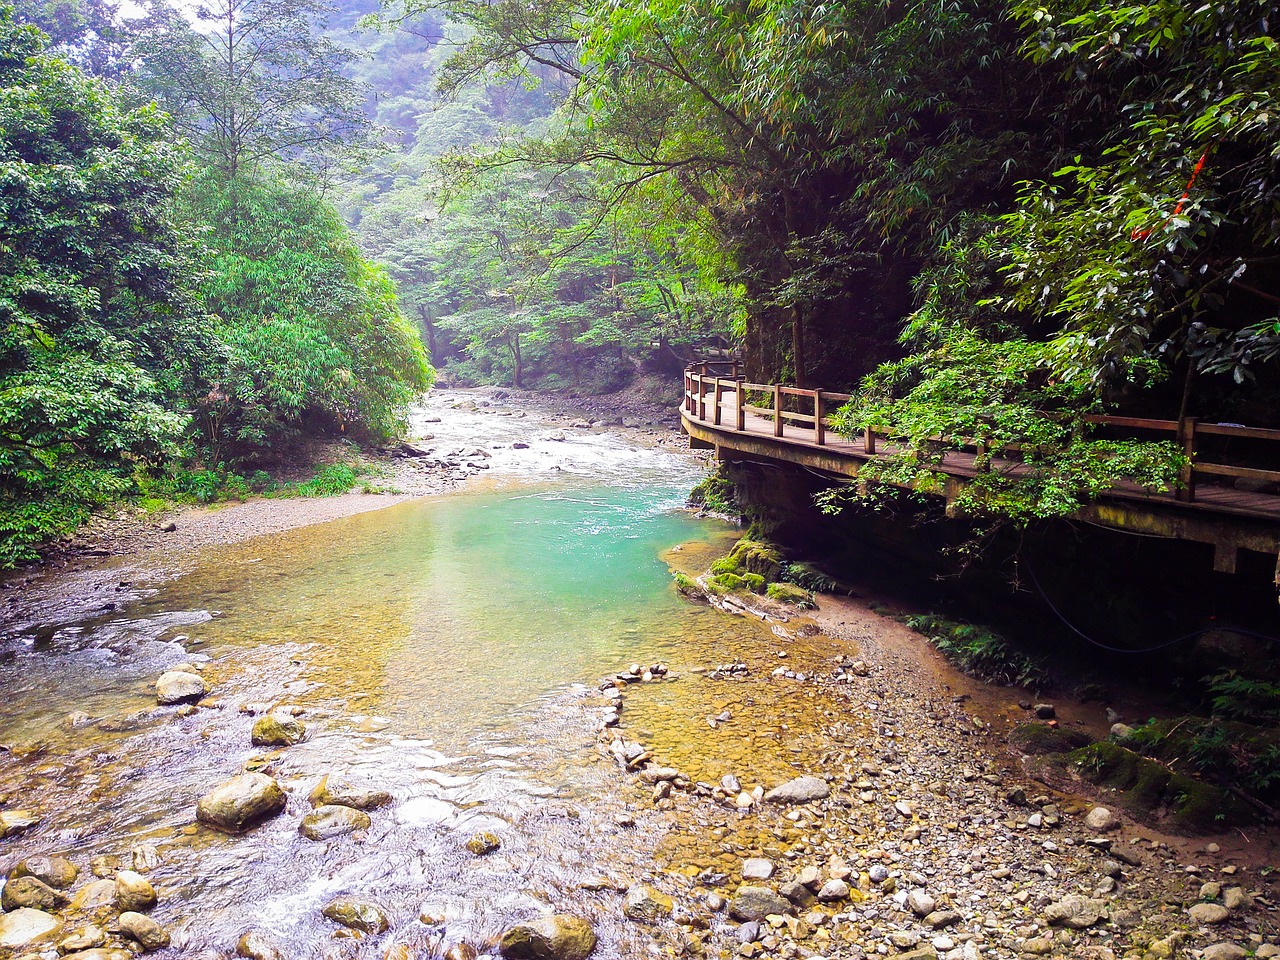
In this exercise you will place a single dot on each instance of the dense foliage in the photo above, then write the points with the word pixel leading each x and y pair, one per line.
pixel 153 322
pixel 1010 214
pixel 312 331
pixel 100 335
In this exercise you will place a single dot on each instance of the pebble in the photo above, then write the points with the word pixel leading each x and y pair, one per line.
pixel 757 868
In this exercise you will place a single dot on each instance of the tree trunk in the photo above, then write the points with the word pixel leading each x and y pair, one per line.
pixel 515 357
pixel 429 326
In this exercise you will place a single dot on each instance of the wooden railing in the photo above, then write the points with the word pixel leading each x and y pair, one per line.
pixel 712 388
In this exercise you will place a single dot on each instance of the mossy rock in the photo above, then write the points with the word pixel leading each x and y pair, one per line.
pixel 790 593
pixel 1147 787
pixel 1037 738
pixel 751 556
pixel 737 583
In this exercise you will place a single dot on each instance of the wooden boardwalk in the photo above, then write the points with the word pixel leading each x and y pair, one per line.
pixel 718 413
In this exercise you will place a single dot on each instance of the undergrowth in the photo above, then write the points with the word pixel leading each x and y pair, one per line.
pixel 980 652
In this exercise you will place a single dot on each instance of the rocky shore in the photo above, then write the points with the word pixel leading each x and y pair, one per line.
pixel 911 828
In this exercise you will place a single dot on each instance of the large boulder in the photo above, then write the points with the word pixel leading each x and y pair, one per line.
pixel 24 926
pixel 241 802
pixel 332 789
pixel 325 823
pixel 799 790
pixel 559 937
pixel 278 729
pixel 178 686
pixel 57 872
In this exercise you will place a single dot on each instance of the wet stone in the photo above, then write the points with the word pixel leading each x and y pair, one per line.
pixel 14 822
pixel 756 903
pixel 95 895
pixel 1225 951
pixel 356 915
pixel 56 872
pixel 335 790
pixel 757 868
pixel 143 929
pixel 558 937
pixel 30 892
pixel 241 802
pixel 461 951
pixel 483 843
pixel 100 953
pixel 84 939
pixel 278 729
pixel 799 790
pixel 325 823
pixel 1101 819
pixel 104 865
pixel 25 925
pixel 134 892
pixel 646 905
pixel 256 945
pixel 177 686
pixel 798 893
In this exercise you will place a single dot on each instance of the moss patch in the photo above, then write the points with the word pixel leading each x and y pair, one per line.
pixel 714 493
pixel 791 594
pixel 1147 787
pixel 1039 738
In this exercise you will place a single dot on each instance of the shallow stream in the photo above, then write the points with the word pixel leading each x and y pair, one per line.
pixel 446 650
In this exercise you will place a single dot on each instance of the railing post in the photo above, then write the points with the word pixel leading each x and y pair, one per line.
pixel 819 428
pixel 719 394
pixel 740 403
pixel 869 441
pixel 1186 492
pixel 702 399
pixel 777 409
pixel 688 399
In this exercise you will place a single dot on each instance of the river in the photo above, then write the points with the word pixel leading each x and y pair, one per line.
pixel 446 650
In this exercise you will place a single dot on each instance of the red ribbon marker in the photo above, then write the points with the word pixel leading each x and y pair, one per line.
pixel 1143 234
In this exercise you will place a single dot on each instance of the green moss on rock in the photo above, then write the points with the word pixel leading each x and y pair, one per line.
pixel 1147 787
pixel 790 593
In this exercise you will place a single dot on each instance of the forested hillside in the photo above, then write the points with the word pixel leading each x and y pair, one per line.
pixel 179 304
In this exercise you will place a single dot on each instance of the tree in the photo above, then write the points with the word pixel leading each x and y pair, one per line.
pixel 256 82
pixel 314 336
pixel 100 335
pixel 88 33
pixel 823 148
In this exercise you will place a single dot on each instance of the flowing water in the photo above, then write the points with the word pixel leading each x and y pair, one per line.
pixel 445 650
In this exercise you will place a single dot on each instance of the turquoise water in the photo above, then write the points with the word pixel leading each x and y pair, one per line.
pixel 445 650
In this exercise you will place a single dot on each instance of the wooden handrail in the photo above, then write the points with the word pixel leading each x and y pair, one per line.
pixel 1187 433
